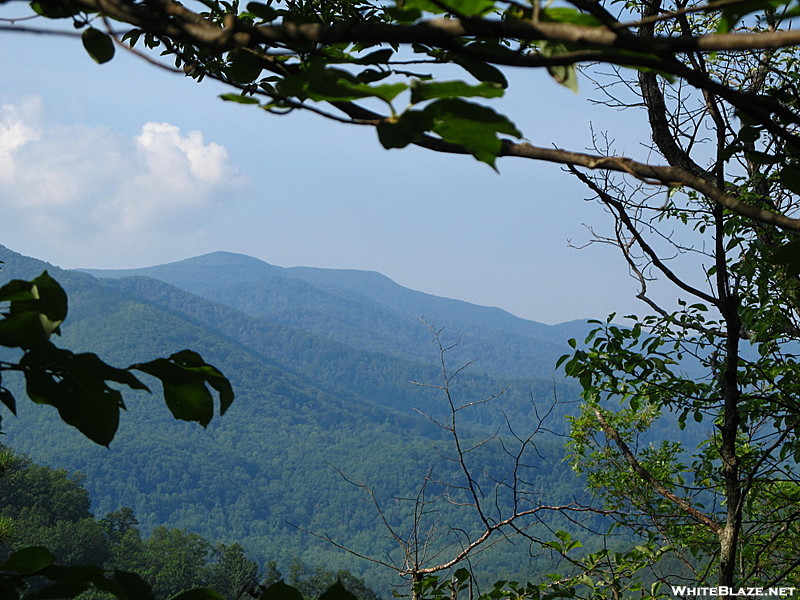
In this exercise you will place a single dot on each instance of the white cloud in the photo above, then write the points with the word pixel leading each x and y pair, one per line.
pixel 94 196
pixel 13 134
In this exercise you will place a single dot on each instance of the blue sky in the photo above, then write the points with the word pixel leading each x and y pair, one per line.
pixel 124 165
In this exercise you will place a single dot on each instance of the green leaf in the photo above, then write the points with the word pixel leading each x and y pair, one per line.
pixel 403 15
pixel 184 377
pixel 790 178
pixel 74 572
pixel 471 125
pixel 22 330
pixel 344 90
pixel 37 309
pixel 423 6
pixel 17 290
pixel 28 561
pixel 788 255
pixel 90 365
pixel 189 359
pixel 52 297
pixel 566 75
pixel 462 574
pixel 239 98
pixel 482 71
pixel 471 8
pixel 421 90
pixel 377 57
pixel 337 592
pixel 76 386
pixel 461 7
pixel 569 15
pixel 386 92
pixel 93 410
pixel 281 591
pixel 262 11
pixel 333 85
pixel 132 37
pixel 99 45
pixel 190 401
pixel 53 9
pixel 244 67
pixel 372 75
pixel 130 586
pixel 405 130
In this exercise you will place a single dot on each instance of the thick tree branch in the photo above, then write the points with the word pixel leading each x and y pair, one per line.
pixel 608 44
pixel 663 175
pixel 234 33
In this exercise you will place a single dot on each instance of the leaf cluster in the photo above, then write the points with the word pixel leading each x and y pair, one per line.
pixel 81 386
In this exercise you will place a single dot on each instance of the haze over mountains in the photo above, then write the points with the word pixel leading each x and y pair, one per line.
pixel 321 361
pixel 366 310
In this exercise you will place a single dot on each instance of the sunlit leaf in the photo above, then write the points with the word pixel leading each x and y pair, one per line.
pixel 421 90
pixel 471 125
pixel 562 14
pixel 239 98
pixel 459 7
pixel 566 75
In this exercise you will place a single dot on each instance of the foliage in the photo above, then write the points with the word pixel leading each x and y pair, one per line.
pixel 304 395
pixel 349 62
pixel 52 536
pixel 78 385
pixel 724 362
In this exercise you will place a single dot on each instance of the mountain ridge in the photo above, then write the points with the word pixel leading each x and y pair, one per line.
pixel 357 277
pixel 310 408
pixel 368 311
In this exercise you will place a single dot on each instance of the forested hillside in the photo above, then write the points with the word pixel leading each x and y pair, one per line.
pixel 310 411
pixel 368 311
pixel 50 507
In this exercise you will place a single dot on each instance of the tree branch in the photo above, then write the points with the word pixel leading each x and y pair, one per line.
pixel 690 510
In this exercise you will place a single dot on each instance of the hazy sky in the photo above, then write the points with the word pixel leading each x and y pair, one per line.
pixel 124 165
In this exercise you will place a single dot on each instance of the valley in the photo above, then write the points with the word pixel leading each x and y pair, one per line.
pixel 322 362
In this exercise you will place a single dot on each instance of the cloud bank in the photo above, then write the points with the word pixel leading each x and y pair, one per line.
pixel 80 195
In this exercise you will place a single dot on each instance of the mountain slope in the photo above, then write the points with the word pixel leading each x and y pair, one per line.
pixel 368 311
pixel 308 408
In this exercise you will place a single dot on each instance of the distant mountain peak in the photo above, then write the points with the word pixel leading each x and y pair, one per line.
pixel 222 258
